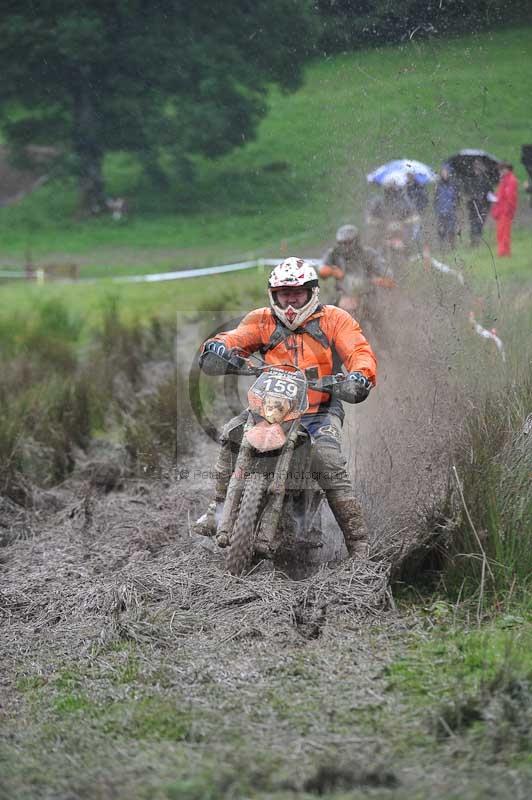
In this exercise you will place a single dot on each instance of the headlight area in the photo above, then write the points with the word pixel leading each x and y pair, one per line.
pixel 274 408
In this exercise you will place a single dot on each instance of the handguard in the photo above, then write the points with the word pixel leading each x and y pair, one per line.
pixel 354 389
pixel 351 388
pixel 217 359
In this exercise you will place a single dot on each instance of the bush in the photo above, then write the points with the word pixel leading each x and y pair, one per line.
pixel 502 704
pixel 491 539
pixel 158 433
pixel 54 395
pixel 10 452
pixel 347 24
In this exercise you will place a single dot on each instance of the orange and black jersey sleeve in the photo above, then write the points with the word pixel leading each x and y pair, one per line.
pixel 350 343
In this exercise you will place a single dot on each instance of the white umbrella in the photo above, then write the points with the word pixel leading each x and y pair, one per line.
pixel 396 172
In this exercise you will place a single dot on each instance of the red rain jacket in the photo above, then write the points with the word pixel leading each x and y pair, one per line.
pixel 506 204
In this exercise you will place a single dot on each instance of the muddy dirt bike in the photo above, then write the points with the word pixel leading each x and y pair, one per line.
pixel 359 296
pixel 272 501
pixel 394 240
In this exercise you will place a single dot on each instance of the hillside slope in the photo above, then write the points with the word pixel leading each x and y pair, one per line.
pixel 306 170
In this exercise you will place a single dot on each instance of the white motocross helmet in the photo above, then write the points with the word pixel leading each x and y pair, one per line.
pixel 294 272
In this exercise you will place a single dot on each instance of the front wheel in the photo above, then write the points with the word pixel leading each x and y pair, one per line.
pixel 242 544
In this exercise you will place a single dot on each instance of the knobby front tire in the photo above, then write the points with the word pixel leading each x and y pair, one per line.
pixel 240 553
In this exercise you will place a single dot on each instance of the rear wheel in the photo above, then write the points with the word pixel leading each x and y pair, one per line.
pixel 242 544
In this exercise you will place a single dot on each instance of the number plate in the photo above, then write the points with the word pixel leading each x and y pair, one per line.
pixel 283 384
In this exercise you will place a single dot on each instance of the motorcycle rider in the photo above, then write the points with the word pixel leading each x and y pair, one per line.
pixel 357 269
pixel 391 215
pixel 296 329
pixel 393 205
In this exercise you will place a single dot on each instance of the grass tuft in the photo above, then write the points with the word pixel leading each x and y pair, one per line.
pixel 490 545
pixel 59 392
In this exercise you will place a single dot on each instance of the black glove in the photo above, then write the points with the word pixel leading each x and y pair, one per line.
pixel 218 359
pixel 354 389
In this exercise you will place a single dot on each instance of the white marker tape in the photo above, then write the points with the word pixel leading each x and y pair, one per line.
pixel 487 334
pixel 448 270
pixel 156 277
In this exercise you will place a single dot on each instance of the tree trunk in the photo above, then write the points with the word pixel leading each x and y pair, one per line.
pixel 154 172
pixel 88 150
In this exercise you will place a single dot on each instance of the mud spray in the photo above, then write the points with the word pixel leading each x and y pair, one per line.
pixel 399 442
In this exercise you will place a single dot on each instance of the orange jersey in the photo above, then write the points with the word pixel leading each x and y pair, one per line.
pixel 328 339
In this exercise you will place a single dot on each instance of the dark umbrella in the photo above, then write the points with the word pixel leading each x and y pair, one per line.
pixel 526 158
pixel 462 165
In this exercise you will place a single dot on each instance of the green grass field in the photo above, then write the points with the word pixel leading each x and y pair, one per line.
pixel 306 170
pixel 288 190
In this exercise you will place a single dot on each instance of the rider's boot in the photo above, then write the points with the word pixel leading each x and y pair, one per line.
pixel 348 514
pixel 230 439
pixel 207 524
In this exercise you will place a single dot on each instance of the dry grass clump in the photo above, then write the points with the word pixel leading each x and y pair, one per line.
pixel 158 430
pixel 477 538
pixel 503 703
pixel 13 522
pixel 124 567
pixel 59 390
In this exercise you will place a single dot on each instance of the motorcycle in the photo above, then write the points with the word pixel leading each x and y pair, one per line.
pixel 359 296
pixel 273 500
pixel 394 239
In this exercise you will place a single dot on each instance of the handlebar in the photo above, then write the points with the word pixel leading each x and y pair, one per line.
pixel 325 384
pixel 239 363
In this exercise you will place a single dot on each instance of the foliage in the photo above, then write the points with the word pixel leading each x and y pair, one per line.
pixel 56 394
pixel 129 77
pixel 158 434
pixel 347 24
pixel 490 543
pixel 120 345
pixel 10 456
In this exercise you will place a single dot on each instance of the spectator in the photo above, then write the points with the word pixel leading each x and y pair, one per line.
pixel 504 208
pixel 417 194
pixel 392 206
pixel 477 188
pixel 527 186
pixel 391 210
pixel 446 200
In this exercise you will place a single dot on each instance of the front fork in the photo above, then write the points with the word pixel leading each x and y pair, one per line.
pixel 236 484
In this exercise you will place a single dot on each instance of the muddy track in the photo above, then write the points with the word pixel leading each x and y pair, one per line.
pixel 87 541
pixel 71 552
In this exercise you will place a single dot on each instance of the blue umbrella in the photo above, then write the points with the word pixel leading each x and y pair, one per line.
pixel 396 172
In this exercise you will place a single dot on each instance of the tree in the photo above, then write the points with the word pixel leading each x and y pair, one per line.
pixel 184 76
pixel 346 24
